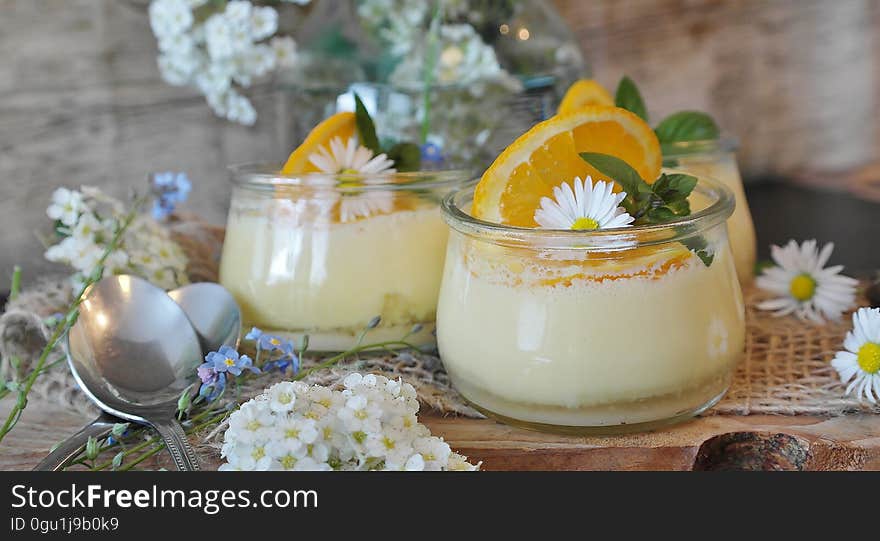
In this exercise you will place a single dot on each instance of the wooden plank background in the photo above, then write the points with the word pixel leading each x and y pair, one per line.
pixel 81 101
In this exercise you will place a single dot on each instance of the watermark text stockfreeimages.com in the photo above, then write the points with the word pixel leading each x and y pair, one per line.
pixel 210 501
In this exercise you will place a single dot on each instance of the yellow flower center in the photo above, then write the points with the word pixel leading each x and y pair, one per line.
pixel 229 362
pixel 253 426
pixel 360 414
pixel 802 287
pixel 287 462
pixel 258 453
pixel 869 357
pixel 389 443
pixel 284 398
pixel 585 224
pixel 274 341
pixel 291 433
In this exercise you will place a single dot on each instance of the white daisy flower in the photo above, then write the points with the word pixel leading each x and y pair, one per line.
pixel 588 207
pixel 806 289
pixel 859 364
pixel 350 158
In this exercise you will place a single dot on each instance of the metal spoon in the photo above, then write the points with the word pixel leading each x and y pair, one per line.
pixel 216 318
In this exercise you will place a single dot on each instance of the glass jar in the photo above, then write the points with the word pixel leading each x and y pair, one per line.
pixel 716 159
pixel 591 331
pixel 321 256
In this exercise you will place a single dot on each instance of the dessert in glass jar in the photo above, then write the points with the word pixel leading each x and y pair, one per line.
pixel 575 304
pixel 337 236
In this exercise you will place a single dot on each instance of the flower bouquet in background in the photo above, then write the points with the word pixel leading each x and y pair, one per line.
pixel 437 72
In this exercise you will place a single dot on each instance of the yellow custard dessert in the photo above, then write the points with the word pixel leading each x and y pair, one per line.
pixel 569 344
pixel 571 304
pixel 297 273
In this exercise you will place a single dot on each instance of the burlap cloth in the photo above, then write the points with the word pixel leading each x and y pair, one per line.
pixel 785 370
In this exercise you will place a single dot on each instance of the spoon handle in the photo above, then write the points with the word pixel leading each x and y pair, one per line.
pixel 179 447
pixel 69 448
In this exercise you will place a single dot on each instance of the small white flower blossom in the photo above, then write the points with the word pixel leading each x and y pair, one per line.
pixel 859 362
pixel 282 397
pixel 805 286
pixel 264 22
pixel 170 17
pixel 314 430
pixel 66 206
pixel 588 207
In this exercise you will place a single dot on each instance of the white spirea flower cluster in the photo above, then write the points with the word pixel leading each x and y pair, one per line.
pixel 86 222
pixel 464 60
pixel 369 425
pixel 220 54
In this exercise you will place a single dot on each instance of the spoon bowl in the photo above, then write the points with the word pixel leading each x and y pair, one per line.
pixel 133 351
pixel 216 318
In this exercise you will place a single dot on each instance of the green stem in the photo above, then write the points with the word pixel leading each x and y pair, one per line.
pixel 15 289
pixel 432 54
pixel 61 329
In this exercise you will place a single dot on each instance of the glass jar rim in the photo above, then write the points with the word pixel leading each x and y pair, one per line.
pixel 266 176
pixel 599 240
pixel 681 149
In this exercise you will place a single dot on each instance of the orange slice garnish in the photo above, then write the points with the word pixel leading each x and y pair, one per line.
pixel 340 125
pixel 548 154
pixel 582 93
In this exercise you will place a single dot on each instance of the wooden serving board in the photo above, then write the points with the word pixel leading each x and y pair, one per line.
pixel 714 442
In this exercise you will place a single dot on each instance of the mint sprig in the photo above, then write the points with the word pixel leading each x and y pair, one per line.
pixel 664 200
pixel 405 155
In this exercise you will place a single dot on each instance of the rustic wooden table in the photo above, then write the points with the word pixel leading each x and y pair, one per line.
pixel 758 442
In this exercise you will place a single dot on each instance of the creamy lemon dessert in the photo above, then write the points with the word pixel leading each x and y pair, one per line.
pixel 585 288
pixel 334 239
pixel 574 344
pixel 329 279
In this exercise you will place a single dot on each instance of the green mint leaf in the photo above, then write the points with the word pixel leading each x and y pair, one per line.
pixel 628 97
pixel 699 246
pixel 406 156
pixel 681 207
pixel 365 126
pixel 686 126
pixel 674 187
pixel 638 192
pixel 660 215
pixel 618 170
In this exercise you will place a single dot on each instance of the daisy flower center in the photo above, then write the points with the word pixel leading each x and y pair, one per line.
pixel 802 287
pixel 869 357
pixel 585 224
